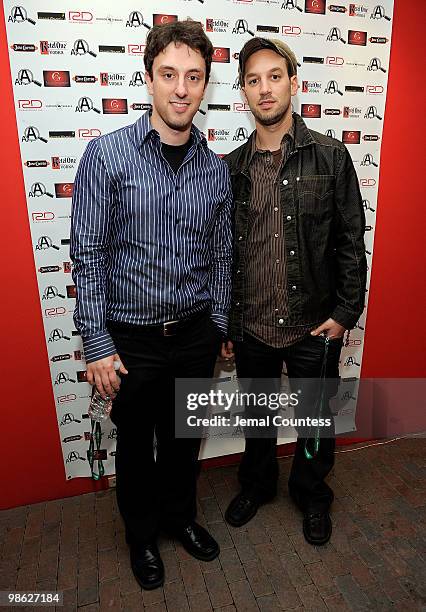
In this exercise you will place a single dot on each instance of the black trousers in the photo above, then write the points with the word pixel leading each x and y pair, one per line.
pixel 258 472
pixel 155 491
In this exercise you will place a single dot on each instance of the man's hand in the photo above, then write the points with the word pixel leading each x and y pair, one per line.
pixel 331 328
pixel 102 374
pixel 227 350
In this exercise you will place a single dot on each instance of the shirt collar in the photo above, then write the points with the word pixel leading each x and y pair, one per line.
pixel 143 130
pixel 288 137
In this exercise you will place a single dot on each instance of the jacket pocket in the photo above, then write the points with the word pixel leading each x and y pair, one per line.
pixel 315 194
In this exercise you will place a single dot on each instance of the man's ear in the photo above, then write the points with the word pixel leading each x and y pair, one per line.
pixel 149 85
pixel 244 95
pixel 294 85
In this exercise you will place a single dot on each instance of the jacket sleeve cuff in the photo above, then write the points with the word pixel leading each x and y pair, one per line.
pixel 221 321
pixel 98 346
pixel 346 318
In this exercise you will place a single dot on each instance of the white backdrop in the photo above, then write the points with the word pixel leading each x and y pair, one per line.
pixel 78 73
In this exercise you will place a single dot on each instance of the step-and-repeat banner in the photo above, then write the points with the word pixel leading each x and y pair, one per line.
pixel 78 73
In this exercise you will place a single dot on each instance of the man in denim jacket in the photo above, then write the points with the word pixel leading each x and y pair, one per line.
pixel 299 273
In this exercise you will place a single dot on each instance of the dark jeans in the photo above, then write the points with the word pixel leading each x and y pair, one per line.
pixel 157 491
pixel 258 472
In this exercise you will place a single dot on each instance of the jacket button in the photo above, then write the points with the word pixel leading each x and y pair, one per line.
pixel 285 182
pixel 294 287
pixel 292 253
pixel 288 218
pixel 280 321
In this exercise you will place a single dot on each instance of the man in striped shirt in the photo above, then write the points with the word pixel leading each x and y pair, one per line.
pixel 151 246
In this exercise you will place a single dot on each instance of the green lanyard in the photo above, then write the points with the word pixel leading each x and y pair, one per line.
pixel 319 405
pixel 95 454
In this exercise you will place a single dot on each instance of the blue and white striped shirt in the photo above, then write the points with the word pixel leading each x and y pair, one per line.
pixel 148 245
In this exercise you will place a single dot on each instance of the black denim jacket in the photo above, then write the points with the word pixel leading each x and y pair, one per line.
pixel 324 224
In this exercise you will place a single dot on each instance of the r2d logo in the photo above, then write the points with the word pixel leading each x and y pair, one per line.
pixel 241 134
pixel 242 27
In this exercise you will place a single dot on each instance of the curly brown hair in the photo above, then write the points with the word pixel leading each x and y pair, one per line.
pixel 189 33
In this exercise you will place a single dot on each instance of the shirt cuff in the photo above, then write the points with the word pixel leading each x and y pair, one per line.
pixel 98 346
pixel 221 321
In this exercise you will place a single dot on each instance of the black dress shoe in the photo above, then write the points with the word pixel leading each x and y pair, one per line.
pixel 198 542
pixel 317 527
pixel 241 510
pixel 147 566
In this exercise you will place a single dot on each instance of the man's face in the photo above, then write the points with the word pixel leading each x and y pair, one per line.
pixel 267 86
pixel 178 85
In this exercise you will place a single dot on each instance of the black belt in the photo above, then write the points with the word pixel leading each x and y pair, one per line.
pixel 166 329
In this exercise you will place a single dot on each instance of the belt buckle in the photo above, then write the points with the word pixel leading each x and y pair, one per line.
pixel 167 330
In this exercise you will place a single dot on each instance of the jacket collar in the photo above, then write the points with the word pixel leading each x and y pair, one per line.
pixel 302 138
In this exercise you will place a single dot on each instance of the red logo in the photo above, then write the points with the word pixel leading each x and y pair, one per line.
pixel 291 30
pixel 317 7
pixel 88 133
pixel 55 312
pixel 158 19
pixel 30 104
pixel 42 216
pixel 135 49
pixel 56 78
pixel 114 106
pixel 221 55
pixel 333 60
pixel 71 291
pixel 355 37
pixel 367 182
pixel 80 16
pixel 64 190
pixel 241 107
pixel 104 78
pixel 71 397
pixel 374 89
pixel 311 111
pixel 56 164
pixel 351 137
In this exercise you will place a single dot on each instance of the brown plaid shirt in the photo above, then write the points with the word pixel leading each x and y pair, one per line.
pixel 266 306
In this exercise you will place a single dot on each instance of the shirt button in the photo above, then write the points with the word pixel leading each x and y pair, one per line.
pixel 240 237
pixel 276 309
pixel 275 208
pixel 238 271
pixel 280 321
pixel 285 182
pixel 237 303
pixel 276 235
pixel 294 287
pixel 277 261
pixel 288 218
pixel 292 253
